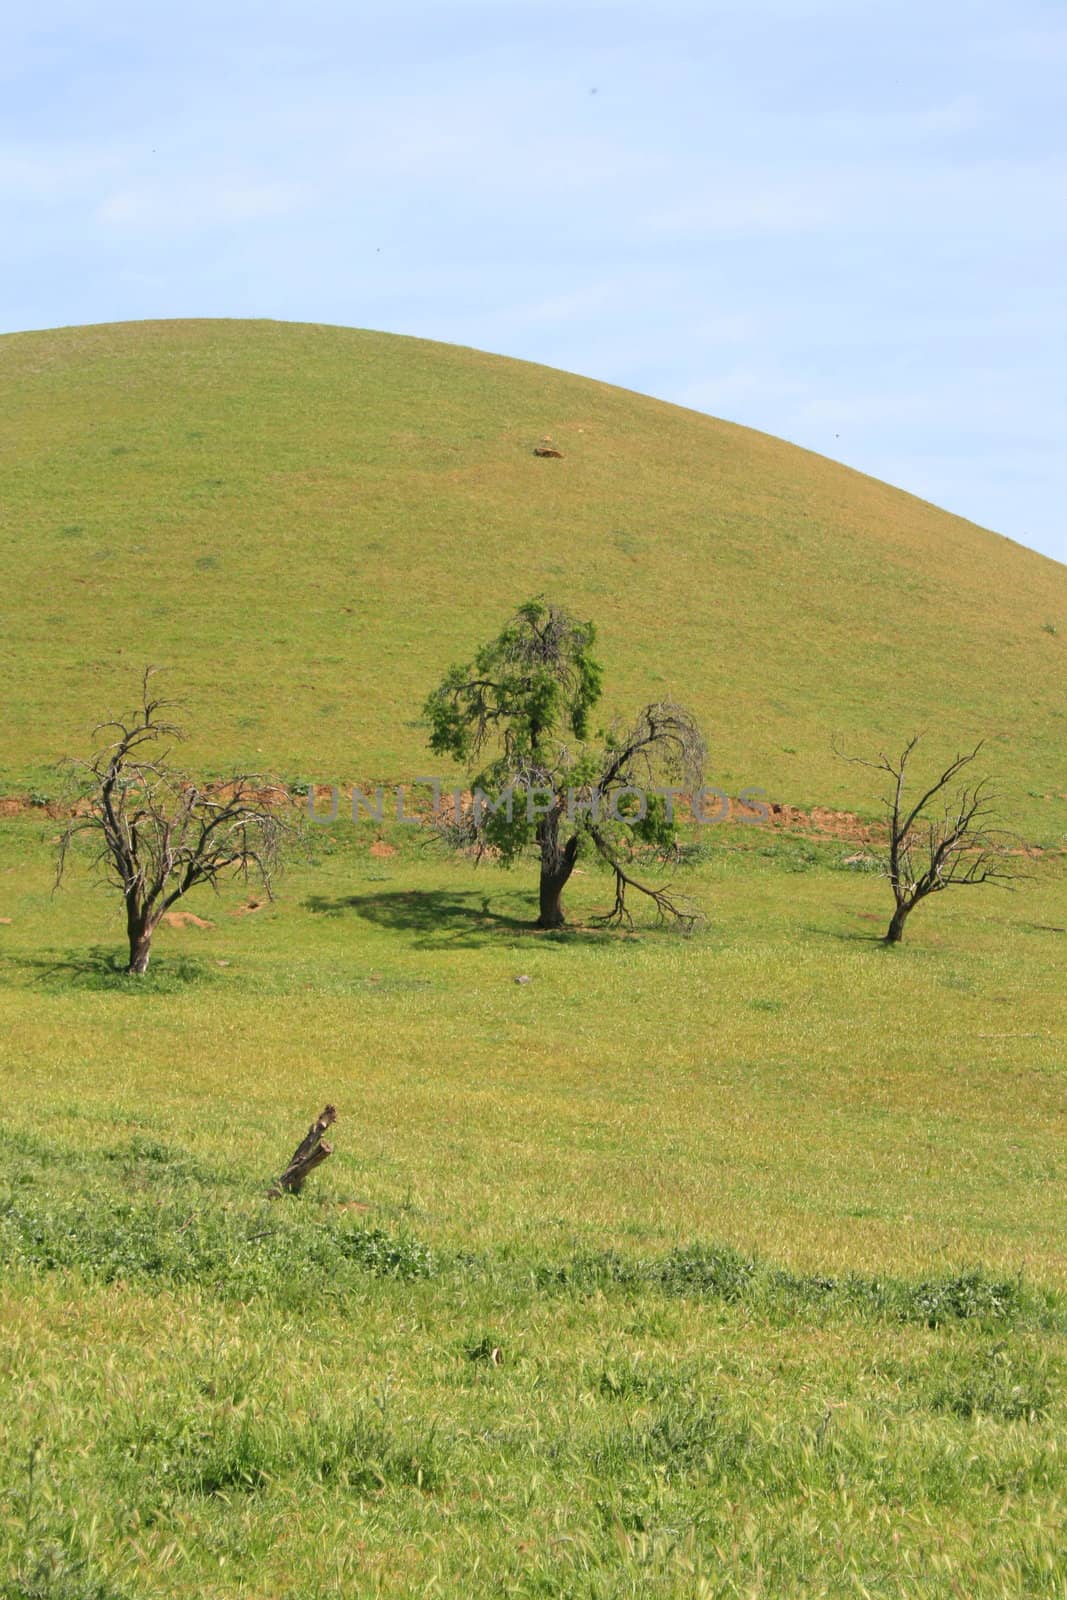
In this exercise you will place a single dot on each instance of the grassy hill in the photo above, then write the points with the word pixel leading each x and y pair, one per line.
pixel 305 524
pixel 683 1267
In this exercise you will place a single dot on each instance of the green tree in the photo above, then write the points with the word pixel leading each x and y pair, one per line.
pixel 517 717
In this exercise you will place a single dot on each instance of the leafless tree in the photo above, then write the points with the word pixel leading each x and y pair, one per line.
pixel 663 742
pixel 947 838
pixel 158 833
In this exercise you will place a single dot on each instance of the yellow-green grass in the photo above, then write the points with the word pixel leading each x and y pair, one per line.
pixel 766 1224
pixel 780 1080
pixel 305 524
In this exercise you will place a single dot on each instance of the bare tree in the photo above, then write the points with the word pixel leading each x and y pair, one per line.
pixel 947 838
pixel 159 834
pixel 663 742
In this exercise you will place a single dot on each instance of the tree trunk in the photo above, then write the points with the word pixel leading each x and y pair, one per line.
pixel 551 899
pixel 896 927
pixel 556 868
pixel 139 931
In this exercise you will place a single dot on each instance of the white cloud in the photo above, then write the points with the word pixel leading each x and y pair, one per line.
pixel 187 205
pixel 733 204
pixel 739 393
pixel 736 328
pixel 1026 198
pixel 42 171
pixel 1036 47
pixel 959 115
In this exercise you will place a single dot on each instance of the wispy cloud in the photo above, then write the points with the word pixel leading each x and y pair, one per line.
pixel 970 199
pixel 902 126
pixel 40 170
pixel 1041 46
pixel 192 204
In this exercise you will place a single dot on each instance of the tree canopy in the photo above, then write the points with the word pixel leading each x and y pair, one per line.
pixel 518 718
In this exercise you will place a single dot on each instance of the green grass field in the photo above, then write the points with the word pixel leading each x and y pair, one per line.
pixel 729 1265
pixel 766 1224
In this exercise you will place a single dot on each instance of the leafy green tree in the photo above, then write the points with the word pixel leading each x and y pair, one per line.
pixel 518 718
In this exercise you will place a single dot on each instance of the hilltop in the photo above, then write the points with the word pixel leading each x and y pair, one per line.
pixel 306 524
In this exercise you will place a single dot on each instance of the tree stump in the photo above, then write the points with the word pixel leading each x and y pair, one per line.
pixel 310 1153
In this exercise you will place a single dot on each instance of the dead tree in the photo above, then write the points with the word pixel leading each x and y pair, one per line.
pixel 158 833
pixel 944 839
pixel 310 1153
pixel 664 741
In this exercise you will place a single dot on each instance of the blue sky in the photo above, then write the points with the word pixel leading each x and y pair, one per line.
pixel 843 223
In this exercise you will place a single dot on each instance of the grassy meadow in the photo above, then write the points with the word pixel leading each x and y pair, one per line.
pixel 764 1224
pixel 727 1265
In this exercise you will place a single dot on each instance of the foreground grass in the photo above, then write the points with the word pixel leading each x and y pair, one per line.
pixel 723 1266
pixel 627 1439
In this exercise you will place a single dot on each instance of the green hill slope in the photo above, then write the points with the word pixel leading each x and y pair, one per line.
pixel 306 524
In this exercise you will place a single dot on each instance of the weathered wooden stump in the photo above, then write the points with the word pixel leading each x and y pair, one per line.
pixel 310 1153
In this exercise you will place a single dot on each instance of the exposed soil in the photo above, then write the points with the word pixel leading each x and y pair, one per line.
pixel 821 822
pixel 184 919
pixel 248 907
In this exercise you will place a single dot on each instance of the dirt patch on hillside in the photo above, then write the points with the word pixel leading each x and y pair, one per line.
pixel 248 907
pixel 184 919
pixel 271 794
pixel 821 822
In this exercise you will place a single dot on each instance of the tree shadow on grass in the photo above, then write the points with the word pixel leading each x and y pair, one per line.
pixel 104 968
pixel 847 935
pixel 447 918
